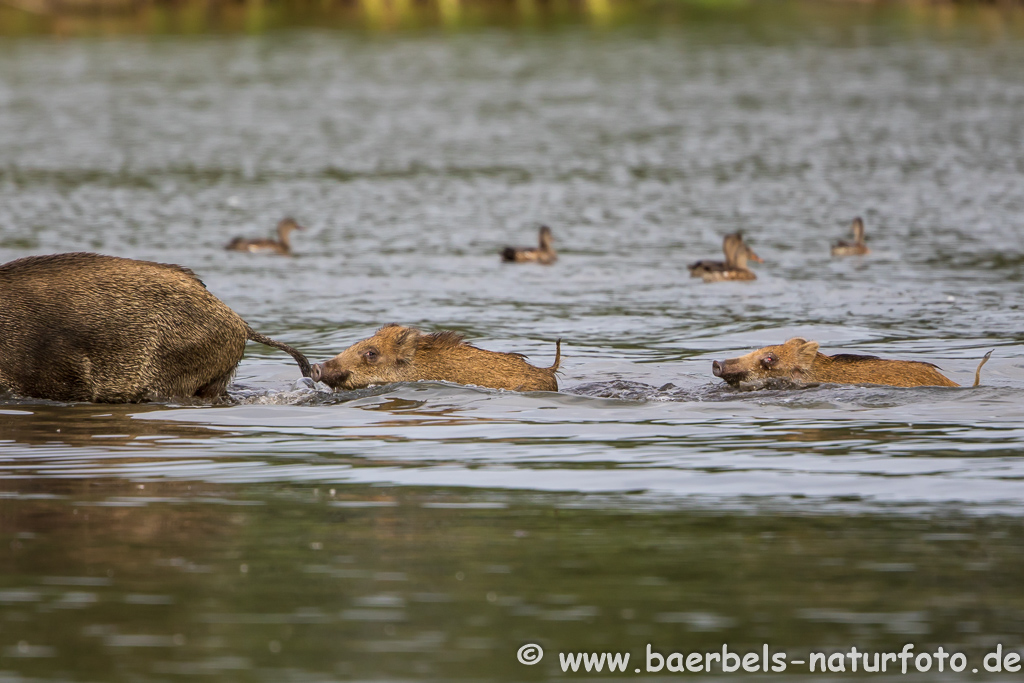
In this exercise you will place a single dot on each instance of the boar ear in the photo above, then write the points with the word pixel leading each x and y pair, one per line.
pixel 406 343
pixel 806 354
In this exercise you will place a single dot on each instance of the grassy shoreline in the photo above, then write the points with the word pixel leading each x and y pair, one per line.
pixel 182 17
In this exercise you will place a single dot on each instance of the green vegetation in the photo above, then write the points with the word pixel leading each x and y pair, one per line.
pixel 112 17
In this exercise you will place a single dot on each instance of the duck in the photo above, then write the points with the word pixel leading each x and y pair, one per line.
pixel 857 246
pixel 735 265
pixel 282 245
pixel 544 253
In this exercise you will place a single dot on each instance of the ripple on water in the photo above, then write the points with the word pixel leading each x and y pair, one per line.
pixel 414 161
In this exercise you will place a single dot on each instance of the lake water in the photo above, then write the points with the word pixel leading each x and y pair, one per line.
pixel 427 531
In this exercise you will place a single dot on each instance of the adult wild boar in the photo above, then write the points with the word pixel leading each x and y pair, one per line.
pixel 87 327
pixel 404 354
pixel 799 360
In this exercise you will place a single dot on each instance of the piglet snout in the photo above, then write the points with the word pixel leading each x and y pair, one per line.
pixel 330 376
pixel 716 368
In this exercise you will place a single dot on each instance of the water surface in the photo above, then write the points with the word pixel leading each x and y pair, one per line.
pixel 426 531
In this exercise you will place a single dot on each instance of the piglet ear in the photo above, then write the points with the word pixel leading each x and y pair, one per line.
pixel 406 343
pixel 806 354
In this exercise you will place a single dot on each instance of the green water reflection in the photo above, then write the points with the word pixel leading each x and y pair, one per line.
pixel 111 580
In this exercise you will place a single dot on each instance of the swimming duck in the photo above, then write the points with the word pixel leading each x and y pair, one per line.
pixel 544 253
pixel 735 265
pixel 282 245
pixel 857 246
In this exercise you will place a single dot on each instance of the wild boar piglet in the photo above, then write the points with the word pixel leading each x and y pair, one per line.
pixel 799 360
pixel 404 354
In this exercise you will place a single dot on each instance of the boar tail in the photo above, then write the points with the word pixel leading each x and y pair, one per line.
pixel 977 373
pixel 299 358
pixel 558 357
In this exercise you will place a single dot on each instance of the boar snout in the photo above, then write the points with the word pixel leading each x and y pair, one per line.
pixel 334 379
pixel 728 370
pixel 716 369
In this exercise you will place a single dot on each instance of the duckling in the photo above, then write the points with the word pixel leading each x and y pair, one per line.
pixel 282 245
pixel 857 246
pixel 544 253
pixel 735 265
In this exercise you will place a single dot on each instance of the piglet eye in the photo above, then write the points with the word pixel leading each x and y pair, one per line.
pixel 768 360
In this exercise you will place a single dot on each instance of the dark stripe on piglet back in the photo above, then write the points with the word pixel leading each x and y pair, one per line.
pixel 446 339
pixel 852 357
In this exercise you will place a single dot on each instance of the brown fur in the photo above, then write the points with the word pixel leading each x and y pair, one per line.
pixel 282 245
pixel 855 248
pixel 404 354
pixel 86 327
pixel 544 253
pixel 799 360
pixel 735 265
